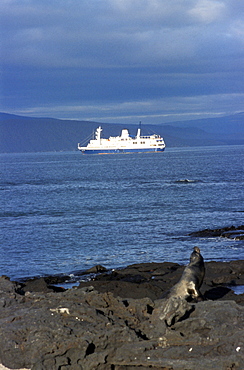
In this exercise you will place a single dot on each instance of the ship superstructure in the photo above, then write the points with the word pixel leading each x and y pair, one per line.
pixel 123 143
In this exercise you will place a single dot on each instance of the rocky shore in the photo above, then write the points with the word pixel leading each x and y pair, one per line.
pixel 114 322
pixel 230 232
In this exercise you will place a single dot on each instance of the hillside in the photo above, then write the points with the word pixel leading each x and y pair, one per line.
pixel 27 134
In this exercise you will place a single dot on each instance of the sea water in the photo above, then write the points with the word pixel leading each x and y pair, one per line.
pixel 66 212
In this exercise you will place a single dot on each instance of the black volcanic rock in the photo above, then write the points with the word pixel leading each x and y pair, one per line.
pixel 232 232
pixel 115 322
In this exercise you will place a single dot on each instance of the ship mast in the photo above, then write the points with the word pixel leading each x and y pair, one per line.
pixel 98 134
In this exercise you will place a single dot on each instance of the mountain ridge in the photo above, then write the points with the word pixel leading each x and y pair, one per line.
pixel 32 134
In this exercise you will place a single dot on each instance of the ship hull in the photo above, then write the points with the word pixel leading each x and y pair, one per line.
pixel 122 151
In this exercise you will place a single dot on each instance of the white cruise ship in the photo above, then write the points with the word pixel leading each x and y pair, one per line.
pixel 123 143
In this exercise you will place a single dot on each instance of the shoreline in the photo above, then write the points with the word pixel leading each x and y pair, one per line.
pixel 113 321
pixel 217 273
pixel 235 233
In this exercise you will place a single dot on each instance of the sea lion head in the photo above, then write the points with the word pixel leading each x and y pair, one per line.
pixel 196 256
pixel 196 249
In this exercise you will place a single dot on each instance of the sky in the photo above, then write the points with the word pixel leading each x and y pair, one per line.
pixel 122 61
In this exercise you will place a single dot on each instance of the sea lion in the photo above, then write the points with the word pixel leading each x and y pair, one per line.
pixel 176 306
pixel 191 279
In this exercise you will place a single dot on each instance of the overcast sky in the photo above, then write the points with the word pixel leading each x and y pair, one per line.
pixel 124 61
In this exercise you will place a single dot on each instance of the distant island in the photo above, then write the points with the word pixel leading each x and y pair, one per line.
pixel 20 134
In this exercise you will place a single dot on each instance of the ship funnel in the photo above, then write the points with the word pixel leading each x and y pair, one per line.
pixel 138 133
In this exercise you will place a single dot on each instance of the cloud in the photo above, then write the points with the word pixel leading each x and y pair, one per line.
pixel 161 110
pixel 70 53
pixel 109 33
pixel 208 11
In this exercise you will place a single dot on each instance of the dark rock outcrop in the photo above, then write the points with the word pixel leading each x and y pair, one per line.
pixel 231 232
pixel 116 322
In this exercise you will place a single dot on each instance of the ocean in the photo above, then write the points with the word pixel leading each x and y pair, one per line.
pixel 62 213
